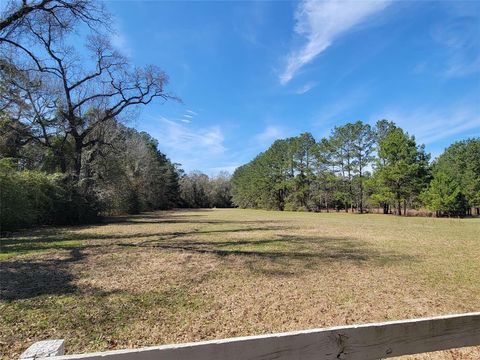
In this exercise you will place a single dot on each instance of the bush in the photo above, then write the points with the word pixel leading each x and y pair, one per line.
pixel 29 198
pixel 15 204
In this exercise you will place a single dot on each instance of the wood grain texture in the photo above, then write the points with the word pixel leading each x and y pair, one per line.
pixel 369 341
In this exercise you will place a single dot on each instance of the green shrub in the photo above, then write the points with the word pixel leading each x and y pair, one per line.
pixel 29 198
pixel 16 210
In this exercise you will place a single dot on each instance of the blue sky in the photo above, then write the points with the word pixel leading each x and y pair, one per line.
pixel 251 72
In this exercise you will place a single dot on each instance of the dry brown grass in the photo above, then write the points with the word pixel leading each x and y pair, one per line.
pixel 192 275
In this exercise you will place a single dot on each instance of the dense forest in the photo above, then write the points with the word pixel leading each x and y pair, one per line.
pixel 124 173
pixel 359 168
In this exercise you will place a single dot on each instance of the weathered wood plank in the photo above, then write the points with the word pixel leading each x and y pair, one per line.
pixel 369 341
pixel 44 349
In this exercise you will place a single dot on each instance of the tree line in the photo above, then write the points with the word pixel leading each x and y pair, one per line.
pixel 198 190
pixel 128 176
pixel 66 155
pixel 65 94
pixel 359 168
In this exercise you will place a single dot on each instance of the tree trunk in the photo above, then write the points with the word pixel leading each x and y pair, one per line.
pixel 61 159
pixel 405 207
pixel 78 157
pixel 361 198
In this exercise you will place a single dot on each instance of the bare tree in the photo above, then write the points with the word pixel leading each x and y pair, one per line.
pixel 63 94
pixel 64 14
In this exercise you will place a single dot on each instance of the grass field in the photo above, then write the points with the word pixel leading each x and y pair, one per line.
pixel 183 276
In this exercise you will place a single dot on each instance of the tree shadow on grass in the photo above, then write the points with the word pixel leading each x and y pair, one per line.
pixel 145 218
pixel 275 254
pixel 172 217
pixel 185 220
pixel 23 279
pixel 58 239
pixel 308 252
pixel 279 255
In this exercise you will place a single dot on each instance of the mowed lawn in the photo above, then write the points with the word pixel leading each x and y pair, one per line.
pixel 180 276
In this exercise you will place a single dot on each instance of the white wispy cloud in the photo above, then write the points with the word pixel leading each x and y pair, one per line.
pixel 322 22
pixel 186 121
pixel 248 19
pixel 458 66
pixel 306 88
pixel 188 116
pixel 119 39
pixel 341 108
pixel 459 38
pixel 433 124
pixel 191 112
pixel 185 139
pixel 193 147
pixel 270 134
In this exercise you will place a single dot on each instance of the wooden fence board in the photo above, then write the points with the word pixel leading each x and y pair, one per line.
pixel 356 342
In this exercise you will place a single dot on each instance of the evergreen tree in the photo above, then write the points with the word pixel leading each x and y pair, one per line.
pixel 381 195
pixel 460 163
pixel 402 168
pixel 363 146
pixel 444 195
